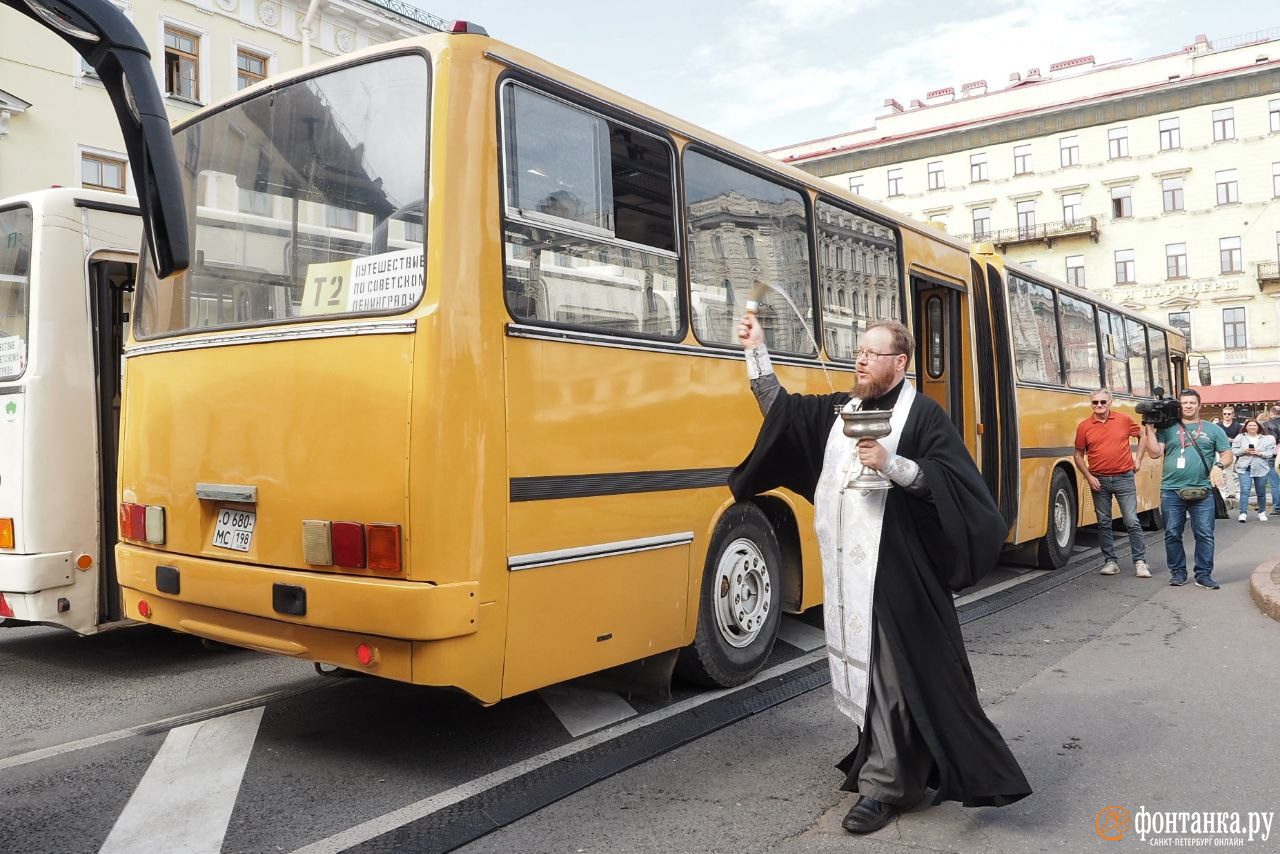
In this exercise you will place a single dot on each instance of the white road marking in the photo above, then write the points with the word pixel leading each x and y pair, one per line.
pixel 162 724
pixel 184 801
pixel 996 588
pixel 584 710
pixel 801 635
pixel 375 827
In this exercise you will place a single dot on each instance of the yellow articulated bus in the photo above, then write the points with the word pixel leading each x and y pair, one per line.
pixel 1054 344
pixel 451 389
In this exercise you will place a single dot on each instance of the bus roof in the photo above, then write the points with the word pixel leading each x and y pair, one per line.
pixel 71 195
pixel 440 44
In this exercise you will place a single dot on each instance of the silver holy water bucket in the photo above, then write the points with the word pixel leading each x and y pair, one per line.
pixel 867 424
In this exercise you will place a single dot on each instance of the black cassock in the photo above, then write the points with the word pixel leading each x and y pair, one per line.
pixel 929 546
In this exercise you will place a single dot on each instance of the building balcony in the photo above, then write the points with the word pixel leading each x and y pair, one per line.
pixel 1046 233
pixel 1269 277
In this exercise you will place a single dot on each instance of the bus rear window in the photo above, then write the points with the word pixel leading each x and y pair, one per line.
pixel 15 269
pixel 309 201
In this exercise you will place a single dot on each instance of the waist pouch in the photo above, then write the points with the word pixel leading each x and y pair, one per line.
pixel 1193 493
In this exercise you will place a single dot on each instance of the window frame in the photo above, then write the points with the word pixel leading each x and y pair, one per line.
pixel 1118 143
pixel 1184 330
pixel 1072 212
pixel 1273 114
pixel 101 158
pixel 196 35
pixel 1076 281
pixel 1022 164
pixel 1122 201
pixel 1106 358
pixel 1233 255
pixel 1058 351
pixel 1069 151
pixel 1229 329
pixel 609 113
pixel 939 174
pixel 1174 134
pixel 981 167
pixel 1178 269
pixel 1130 269
pixel 975 220
pixel 1230 187
pixel 893 177
pixel 1175 195
pixel 1093 381
pixel 242 74
pixel 1224 126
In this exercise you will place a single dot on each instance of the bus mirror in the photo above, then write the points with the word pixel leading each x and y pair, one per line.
pixel 1202 368
pixel 109 42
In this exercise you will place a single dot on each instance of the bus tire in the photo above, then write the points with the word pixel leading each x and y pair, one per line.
pixel 1060 537
pixel 739 604
pixel 1151 520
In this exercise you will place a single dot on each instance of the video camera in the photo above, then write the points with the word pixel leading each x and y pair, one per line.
pixel 1162 411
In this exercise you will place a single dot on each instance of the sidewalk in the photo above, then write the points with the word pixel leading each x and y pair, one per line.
pixel 1111 691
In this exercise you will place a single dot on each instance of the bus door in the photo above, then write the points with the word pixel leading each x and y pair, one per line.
pixel 111 279
pixel 939 355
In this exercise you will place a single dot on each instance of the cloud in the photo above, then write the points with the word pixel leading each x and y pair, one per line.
pixel 771 76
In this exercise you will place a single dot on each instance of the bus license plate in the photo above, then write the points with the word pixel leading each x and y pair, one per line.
pixel 234 529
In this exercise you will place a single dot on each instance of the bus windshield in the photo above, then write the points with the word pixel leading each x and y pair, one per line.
pixel 15 267
pixel 304 202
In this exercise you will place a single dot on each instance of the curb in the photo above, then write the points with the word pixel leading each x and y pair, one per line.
pixel 1264 587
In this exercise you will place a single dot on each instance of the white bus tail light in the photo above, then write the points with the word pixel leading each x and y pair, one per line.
pixel 317 543
pixel 382 544
pixel 155 525
pixel 6 535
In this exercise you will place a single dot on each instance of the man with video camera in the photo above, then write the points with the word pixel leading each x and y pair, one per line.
pixel 1186 487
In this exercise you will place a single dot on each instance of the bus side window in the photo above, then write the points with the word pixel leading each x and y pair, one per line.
pixel 590 221
pixel 864 262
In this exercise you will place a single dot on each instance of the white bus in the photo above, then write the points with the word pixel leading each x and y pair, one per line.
pixel 68 260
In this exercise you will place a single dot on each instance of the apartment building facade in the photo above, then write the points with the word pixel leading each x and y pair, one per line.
pixel 1155 183
pixel 57 126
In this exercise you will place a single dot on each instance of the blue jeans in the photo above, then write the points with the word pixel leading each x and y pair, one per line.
pixel 1122 486
pixel 1260 487
pixel 1175 512
pixel 1274 479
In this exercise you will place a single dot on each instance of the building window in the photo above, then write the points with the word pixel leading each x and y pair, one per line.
pixel 1224 124
pixel 1170 134
pixel 981 223
pixel 1072 207
pixel 181 64
pixel 1125 270
pixel 1275 180
pixel 856 183
pixel 343 218
pixel 1021 159
pixel 1118 142
pixel 1075 270
pixel 1229 255
pixel 250 68
pixel 1175 260
pixel 936 178
pixel 749 244
pixel 255 203
pixel 978 167
pixel 1027 218
pixel 1181 321
pixel 895 182
pixel 1233 329
pixel 100 172
pixel 1173 198
pixel 1069 151
pixel 1122 201
pixel 1274 108
pixel 1228 187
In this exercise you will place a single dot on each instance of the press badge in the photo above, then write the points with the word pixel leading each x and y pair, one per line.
pixel 1182 462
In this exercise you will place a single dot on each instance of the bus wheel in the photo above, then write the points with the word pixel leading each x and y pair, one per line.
pixel 1055 547
pixel 739 604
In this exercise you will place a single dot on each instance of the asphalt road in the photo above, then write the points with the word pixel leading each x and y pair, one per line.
pixel 1108 689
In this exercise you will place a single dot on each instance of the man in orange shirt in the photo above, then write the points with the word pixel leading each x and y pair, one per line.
pixel 1104 437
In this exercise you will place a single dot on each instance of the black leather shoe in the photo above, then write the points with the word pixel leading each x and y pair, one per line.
pixel 869 815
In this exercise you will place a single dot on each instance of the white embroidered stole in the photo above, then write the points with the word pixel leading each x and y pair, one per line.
pixel 848 523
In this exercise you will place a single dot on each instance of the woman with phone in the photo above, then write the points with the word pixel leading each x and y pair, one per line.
pixel 1255 454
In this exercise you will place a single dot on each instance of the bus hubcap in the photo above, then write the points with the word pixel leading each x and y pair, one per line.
pixel 1061 519
pixel 742 593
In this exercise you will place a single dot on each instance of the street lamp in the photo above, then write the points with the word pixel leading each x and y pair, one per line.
pixel 1202 367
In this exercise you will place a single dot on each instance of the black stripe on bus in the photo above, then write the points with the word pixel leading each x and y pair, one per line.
pixel 985 371
pixel 1009 480
pixel 620 483
pixel 1040 453
pixel 109 207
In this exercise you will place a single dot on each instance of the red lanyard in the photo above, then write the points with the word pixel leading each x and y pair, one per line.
pixel 1183 435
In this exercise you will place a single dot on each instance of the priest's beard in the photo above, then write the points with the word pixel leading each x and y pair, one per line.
pixel 872 387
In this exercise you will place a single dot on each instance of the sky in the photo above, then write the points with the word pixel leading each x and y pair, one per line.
pixel 768 73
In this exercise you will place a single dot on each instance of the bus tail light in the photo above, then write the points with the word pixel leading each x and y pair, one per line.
pixel 367 655
pixel 383 545
pixel 317 543
pixel 6 535
pixel 348 544
pixel 155 525
pixel 6 610
pixel 144 608
pixel 142 523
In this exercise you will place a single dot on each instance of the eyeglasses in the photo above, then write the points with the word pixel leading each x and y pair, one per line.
pixel 1099 402
pixel 870 355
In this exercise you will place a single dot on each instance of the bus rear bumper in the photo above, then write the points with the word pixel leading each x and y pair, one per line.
pixel 382 608
pixel 33 573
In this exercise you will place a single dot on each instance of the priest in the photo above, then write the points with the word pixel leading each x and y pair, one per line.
pixel 890 559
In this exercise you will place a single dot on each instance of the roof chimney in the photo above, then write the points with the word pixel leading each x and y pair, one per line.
pixel 1080 62
pixel 916 104
pixel 977 87
pixel 1015 78
pixel 893 105
pixel 941 96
